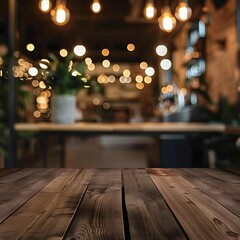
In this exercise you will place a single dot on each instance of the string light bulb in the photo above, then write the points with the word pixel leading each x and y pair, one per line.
pixel 167 22
pixel 96 6
pixel 45 5
pixel 60 14
pixel 149 10
pixel 183 12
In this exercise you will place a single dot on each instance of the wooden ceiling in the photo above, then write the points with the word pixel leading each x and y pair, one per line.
pixel 120 22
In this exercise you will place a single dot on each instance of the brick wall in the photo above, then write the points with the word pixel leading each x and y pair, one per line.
pixel 221 51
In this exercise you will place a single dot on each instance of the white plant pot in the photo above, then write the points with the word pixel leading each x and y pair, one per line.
pixel 63 108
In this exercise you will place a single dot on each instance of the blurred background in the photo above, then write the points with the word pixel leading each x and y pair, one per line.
pixel 143 61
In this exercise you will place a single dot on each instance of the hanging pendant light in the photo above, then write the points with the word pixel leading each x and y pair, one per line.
pixel 45 5
pixel 149 10
pixel 96 6
pixel 60 14
pixel 183 12
pixel 167 22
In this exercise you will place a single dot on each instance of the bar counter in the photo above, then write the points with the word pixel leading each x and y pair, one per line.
pixel 145 127
pixel 119 204
pixel 157 130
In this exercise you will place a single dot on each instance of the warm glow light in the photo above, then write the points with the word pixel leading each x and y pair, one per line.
pixel 106 63
pixel 21 61
pixel 183 12
pixel 96 101
pixel 111 79
pixel 149 71
pixel 91 67
pixel 63 52
pixel 79 50
pixel 96 6
pixel 45 5
pixel 48 93
pixel 167 22
pixel 164 90
pixel 88 60
pixel 143 65
pixel 26 65
pixel 30 47
pixel 126 73
pixel 60 14
pixel 161 50
pixel 75 73
pixel 106 106
pixel 150 10
pixel 147 79
pixel 33 71
pixel 42 63
pixel 35 83
pixel 42 99
pixel 105 52
pixel 122 79
pixel 42 85
pixel 102 78
pixel 36 114
pixel 116 67
pixel 130 47
pixel 139 78
pixel 139 86
pixel 165 64
pixel 169 88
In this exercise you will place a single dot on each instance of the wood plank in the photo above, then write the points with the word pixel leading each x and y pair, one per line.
pixel 10 178
pixel 200 216
pixel 148 214
pixel 233 170
pixel 21 187
pixel 7 171
pixel 124 127
pixel 48 214
pixel 100 213
pixel 222 186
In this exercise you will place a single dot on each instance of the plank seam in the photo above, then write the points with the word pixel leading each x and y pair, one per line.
pixel 125 216
pixel 226 170
pixel 26 200
pixel 215 199
pixel 76 209
pixel 175 218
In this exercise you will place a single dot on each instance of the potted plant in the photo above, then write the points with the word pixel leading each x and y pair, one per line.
pixel 65 78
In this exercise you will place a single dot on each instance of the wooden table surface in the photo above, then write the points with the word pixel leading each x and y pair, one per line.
pixel 122 127
pixel 119 204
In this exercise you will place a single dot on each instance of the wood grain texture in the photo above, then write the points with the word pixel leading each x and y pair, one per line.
pixel 54 204
pixel 4 172
pixel 100 213
pixel 15 176
pixel 148 214
pixel 48 214
pixel 222 186
pixel 18 187
pixel 200 215
pixel 233 170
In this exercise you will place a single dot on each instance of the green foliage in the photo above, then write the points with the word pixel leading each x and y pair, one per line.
pixel 63 75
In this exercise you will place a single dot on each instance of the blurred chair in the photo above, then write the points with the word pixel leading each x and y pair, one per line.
pixel 223 151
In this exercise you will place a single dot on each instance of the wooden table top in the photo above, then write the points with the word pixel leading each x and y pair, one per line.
pixel 121 127
pixel 119 204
